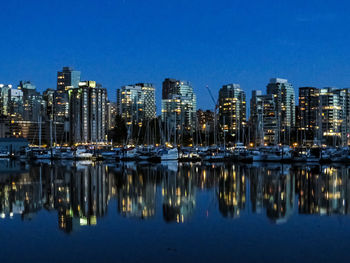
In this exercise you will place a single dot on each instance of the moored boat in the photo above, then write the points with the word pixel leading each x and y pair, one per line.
pixel 168 154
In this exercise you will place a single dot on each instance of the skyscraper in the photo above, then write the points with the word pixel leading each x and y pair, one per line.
pixel 48 96
pixel 170 87
pixel 309 101
pixel 179 105
pixel 334 116
pixel 4 99
pixel 205 120
pixel 66 79
pixel 16 103
pixel 263 119
pixel 112 112
pixel 88 123
pixel 33 104
pixel 284 97
pixel 345 137
pixel 232 110
pixel 136 103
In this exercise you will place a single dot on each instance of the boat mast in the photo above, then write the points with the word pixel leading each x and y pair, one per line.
pixel 175 131
pixel 39 118
pixel 224 138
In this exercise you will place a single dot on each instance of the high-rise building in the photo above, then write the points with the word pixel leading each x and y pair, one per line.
pixel 283 93
pixel 48 96
pixel 170 87
pixel 334 116
pixel 136 103
pixel 179 105
pixel 232 110
pixel 263 119
pixel 66 79
pixel 16 102
pixel 5 92
pixel 256 118
pixel 345 95
pixel 308 126
pixel 205 120
pixel 87 103
pixel 33 104
pixel 112 112
pixel 206 126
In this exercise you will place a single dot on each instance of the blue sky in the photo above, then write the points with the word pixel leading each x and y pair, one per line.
pixel 119 42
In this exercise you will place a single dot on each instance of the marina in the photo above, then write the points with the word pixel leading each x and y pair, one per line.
pixel 212 154
pixel 174 131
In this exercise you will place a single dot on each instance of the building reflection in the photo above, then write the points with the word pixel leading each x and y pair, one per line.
pixel 82 195
pixel 272 188
pixel 257 189
pixel 323 190
pixel 232 191
pixel 279 194
pixel 80 192
pixel 137 193
pixel 179 192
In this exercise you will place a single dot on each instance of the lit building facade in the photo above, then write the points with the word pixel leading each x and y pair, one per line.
pixel 16 103
pixel 11 101
pixel 309 101
pixel 48 96
pixel 284 97
pixel 136 103
pixel 5 99
pixel 88 103
pixel 66 79
pixel 205 120
pixel 232 110
pixel 263 119
pixel 334 116
pixel 170 87
pixel 179 106
pixel 33 104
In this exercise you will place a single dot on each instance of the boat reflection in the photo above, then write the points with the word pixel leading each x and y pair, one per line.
pixel 80 192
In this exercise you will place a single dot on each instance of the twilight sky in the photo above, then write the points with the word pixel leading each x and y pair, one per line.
pixel 208 42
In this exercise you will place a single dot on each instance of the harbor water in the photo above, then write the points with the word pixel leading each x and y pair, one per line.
pixel 66 211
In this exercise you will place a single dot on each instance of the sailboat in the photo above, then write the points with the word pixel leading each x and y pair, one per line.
pixel 82 154
pixel 170 153
pixel 40 152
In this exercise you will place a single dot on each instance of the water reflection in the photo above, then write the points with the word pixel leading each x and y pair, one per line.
pixel 323 190
pixel 137 192
pixel 80 192
pixel 232 190
pixel 179 193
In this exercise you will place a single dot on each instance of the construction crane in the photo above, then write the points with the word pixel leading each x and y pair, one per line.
pixel 216 106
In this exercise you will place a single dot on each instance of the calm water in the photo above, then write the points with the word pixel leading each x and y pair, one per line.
pixel 83 212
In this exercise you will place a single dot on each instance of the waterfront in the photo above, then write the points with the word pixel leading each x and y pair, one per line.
pixel 88 212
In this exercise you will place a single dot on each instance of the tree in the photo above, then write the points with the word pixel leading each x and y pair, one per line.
pixel 120 132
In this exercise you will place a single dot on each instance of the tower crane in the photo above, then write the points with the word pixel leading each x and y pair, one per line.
pixel 216 106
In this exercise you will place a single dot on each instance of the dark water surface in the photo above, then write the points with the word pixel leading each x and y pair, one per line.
pixel 101 212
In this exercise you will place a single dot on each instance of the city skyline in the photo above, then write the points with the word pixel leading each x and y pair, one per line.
pixel 228 41
pixel 79 112
pixel 174 131
pixel 113 98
